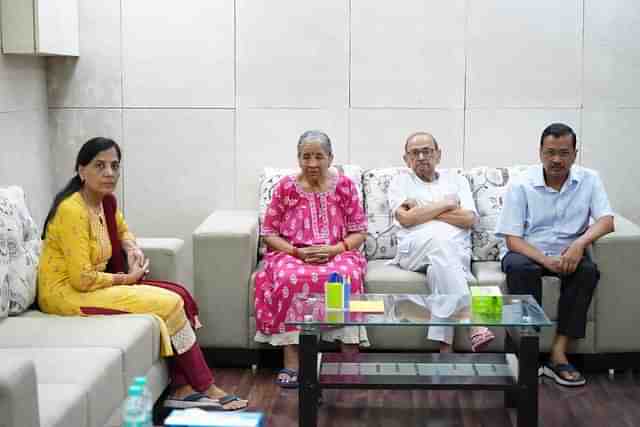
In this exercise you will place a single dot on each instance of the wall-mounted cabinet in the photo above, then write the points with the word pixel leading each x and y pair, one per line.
pixel 40 27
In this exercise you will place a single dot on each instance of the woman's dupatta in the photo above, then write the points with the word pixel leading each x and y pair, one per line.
pixel 118 263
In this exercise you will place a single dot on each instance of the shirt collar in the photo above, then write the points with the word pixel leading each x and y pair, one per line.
pixel 537 175
pixel 413 174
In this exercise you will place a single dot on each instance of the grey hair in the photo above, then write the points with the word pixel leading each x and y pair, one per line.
pixel 316 136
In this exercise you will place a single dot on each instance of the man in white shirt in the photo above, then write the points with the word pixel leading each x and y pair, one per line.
pixel 434 212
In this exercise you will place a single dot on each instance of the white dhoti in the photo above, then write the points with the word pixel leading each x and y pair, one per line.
pixel 440 249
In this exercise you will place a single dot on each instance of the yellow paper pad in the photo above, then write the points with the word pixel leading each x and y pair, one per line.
pixel 376 306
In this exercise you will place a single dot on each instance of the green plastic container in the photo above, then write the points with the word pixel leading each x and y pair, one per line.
pixel 486 302
pixel 334 293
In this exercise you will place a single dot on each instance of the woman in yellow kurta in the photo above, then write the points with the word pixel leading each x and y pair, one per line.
pixel 74 279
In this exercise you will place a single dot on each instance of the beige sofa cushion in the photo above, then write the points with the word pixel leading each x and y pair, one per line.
pixel 97 371
pixel 384 279
pixel 136 337
pixel 62 405
pixel 489 273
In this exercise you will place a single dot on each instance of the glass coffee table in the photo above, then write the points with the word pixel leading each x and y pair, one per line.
pixel 515 372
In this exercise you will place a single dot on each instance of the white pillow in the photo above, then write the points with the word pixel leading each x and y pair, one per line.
pixel 19 253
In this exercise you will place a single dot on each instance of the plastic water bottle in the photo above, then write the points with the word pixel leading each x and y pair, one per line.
pixel 146 399
pixel 133 410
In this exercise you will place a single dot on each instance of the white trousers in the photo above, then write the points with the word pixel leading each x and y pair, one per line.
pixel 447 267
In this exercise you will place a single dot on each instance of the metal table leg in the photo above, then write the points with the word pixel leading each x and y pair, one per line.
pixel 510 396
pixel 309 388
pixel 528 379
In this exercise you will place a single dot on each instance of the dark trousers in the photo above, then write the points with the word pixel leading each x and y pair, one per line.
pixel 524 276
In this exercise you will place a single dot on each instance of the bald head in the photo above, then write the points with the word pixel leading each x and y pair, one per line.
pixel 422 155
pixel 420 137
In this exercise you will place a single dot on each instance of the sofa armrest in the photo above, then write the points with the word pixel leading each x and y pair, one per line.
pixel 18 393
pixel 225 250
pixel 618 293
pixel 163 257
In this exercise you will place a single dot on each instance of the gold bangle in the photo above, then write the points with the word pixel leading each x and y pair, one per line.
pixel 120 278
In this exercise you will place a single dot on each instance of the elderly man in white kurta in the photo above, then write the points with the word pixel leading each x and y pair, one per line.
pixel 434 211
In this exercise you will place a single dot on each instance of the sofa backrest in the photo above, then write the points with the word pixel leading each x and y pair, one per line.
pixel 487 184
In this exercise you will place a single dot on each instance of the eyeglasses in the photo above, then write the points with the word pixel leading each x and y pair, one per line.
pixel 563 154
pixel 425 152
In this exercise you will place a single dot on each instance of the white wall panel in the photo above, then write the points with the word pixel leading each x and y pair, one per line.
pixel 610 146
pixel 408 54
pixel 25 159
pixel 510 137
pixel 524 54
pixel 22 83
pixel 178 54
pixel 292 53
pixel 612 54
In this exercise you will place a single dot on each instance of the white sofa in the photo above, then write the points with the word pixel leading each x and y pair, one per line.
pixel 226 255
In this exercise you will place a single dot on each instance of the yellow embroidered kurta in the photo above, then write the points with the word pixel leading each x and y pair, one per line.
pixel 72 275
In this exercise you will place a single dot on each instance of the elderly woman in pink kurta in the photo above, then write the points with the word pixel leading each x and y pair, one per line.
pixel 313 226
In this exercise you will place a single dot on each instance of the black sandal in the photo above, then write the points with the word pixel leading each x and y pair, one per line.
pixel 554 371
pixel 291 381
pixel 228 399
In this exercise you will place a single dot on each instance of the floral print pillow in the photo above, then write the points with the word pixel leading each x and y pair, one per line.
pixel 19 253
pixel 381 242
pixel 488 186
pixel 271 176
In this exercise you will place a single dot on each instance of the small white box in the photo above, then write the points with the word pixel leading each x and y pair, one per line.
pixel 195 417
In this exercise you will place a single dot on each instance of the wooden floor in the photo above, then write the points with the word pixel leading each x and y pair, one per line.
pixel 605 401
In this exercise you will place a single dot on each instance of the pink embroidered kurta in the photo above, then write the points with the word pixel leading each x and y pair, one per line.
pixel 305 219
